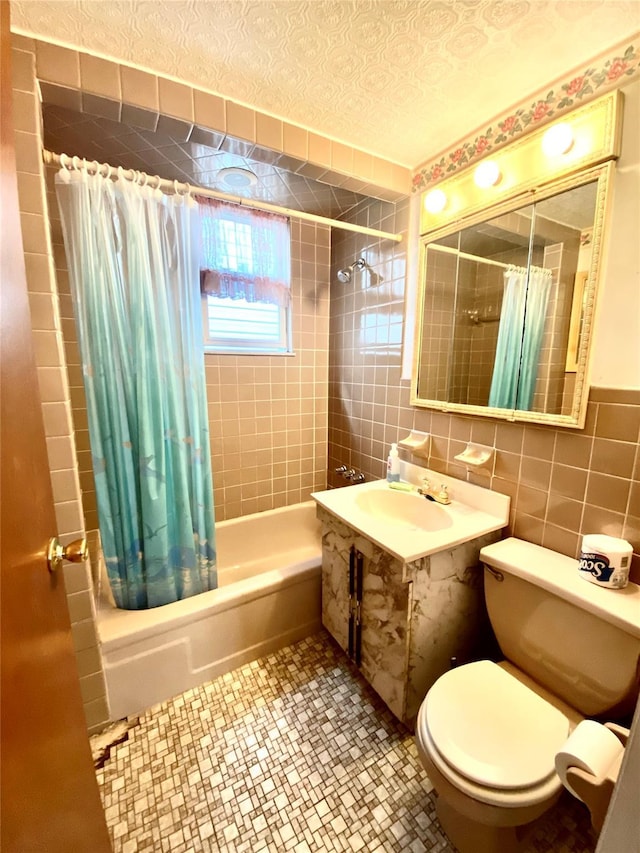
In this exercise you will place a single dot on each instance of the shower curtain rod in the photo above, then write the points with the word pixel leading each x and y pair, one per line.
pixel 466 255
pixel 480 260
pixel 77 163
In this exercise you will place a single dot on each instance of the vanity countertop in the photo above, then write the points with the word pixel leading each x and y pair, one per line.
pixel 406 524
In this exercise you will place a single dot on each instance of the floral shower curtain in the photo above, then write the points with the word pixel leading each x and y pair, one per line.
pixel 522 321
pixel 133 257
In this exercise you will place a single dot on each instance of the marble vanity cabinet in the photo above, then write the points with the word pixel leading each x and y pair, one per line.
pixel 415 616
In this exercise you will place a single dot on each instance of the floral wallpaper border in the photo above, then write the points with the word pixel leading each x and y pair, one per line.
pixel 595 80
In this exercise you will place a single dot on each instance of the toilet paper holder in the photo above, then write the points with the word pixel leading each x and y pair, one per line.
pixel 595 791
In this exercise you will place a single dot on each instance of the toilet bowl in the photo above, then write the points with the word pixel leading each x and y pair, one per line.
pixel 487 733
pixel 502 753
pixel 488 741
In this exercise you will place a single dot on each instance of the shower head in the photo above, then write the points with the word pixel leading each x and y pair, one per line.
pixel 344 275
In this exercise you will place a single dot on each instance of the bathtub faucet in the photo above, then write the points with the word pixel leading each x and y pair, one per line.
pixel 350 474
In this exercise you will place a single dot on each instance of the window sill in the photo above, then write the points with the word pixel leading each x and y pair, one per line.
pixel 270 353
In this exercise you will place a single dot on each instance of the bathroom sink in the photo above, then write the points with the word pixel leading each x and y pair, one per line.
pixel 404 508
pixel 406 524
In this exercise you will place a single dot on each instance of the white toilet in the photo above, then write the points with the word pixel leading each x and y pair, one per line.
pixel 488 733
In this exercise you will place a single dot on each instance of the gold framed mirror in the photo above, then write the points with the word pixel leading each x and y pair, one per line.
pixel 498 304
pixel 507 292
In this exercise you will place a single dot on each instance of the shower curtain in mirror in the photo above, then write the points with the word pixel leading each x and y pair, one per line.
pixel 520 333
pixel 133 256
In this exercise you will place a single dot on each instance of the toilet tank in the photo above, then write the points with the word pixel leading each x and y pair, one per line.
pixel 579 641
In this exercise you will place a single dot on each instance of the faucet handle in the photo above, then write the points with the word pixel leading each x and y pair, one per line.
pixel 424 488
pixel 443 494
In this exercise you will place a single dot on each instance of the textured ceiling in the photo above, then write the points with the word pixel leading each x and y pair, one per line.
pixel 403 79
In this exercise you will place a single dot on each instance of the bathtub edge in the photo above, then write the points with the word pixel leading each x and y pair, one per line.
pixel 114 634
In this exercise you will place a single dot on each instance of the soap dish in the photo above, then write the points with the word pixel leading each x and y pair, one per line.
pixel 417 442
pixel 475 455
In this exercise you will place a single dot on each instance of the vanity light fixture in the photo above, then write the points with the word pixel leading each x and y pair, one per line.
pixel 435 201
pixel 557 140
pixel 589 135
pixel 487 174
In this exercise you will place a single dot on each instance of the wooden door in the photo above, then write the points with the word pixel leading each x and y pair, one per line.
pixel 49 796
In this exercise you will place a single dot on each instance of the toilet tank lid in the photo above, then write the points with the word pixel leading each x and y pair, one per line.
pixel 559 575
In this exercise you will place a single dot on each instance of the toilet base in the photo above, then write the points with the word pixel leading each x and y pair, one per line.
pixel 469 835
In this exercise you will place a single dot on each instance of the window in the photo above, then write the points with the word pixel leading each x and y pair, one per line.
pixel 235 324
pixel 245 279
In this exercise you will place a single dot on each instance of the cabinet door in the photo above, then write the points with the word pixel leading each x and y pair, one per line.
pixel 384 617
pixel 336 604
pixel 365 608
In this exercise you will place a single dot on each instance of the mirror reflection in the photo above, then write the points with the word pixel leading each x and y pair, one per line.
pixel 502 307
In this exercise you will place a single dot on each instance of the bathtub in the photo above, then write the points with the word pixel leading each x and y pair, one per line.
pixel 269 595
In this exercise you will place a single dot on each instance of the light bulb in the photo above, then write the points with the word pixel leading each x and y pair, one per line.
pixel 557 140
pixel 487 174
pixel 435 201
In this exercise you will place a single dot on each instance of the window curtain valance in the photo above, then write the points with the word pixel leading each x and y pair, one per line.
pixel 246 253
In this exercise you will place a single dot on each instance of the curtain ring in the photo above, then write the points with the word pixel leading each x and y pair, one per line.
pixel 96 167
pixel 176 187
pixel 108 170
pixel 65 170
pixel 159 180
pixel 76 163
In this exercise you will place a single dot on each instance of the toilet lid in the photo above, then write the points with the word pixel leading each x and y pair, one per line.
pixel 492 729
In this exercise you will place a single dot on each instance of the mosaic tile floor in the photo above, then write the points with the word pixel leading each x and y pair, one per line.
pixel 293 752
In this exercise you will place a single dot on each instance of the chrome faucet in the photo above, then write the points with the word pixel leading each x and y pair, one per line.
pixel 440 496
pixel 350 474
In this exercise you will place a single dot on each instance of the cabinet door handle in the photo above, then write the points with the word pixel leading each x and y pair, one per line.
pixel 352 571
pixel 358 631
pixel 352 580
pixel 352 630
pixel 358 639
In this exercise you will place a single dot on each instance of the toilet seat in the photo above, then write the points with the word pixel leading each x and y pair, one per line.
pixel 503 752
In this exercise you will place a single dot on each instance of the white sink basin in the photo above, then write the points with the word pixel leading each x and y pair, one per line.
pixel 406 509
pixel 408 525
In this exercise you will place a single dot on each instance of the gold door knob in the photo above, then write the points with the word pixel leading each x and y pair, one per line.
pixel 74 552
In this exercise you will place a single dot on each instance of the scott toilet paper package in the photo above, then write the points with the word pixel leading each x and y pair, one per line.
pixel 605 560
